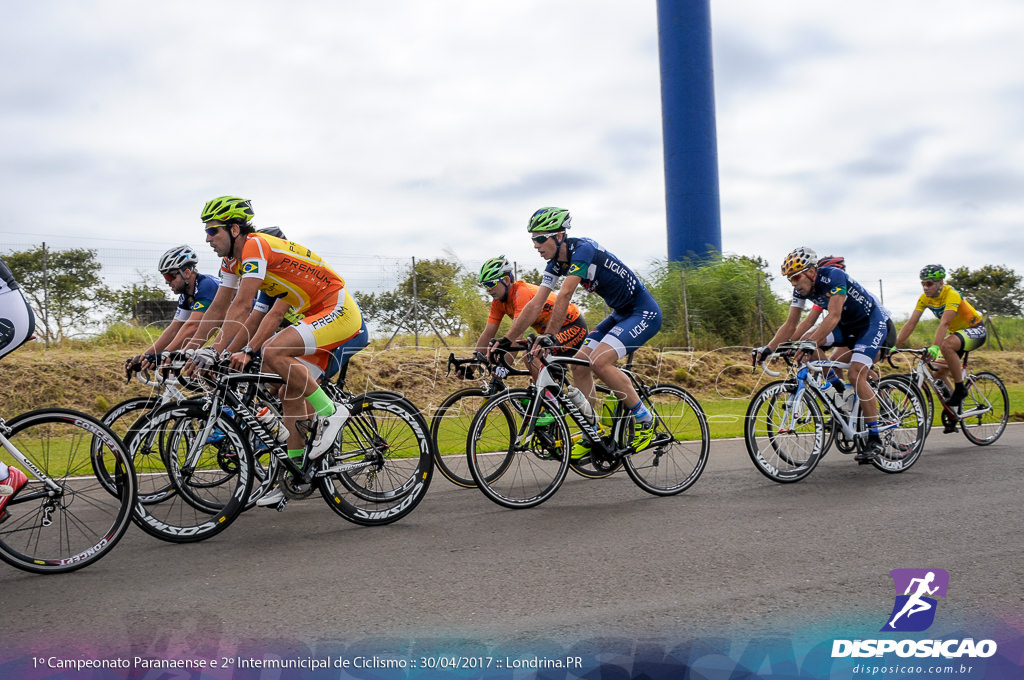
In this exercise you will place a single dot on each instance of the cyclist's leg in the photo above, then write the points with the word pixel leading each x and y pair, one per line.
pixel 340 355
pixel 867 347
pixel 965 340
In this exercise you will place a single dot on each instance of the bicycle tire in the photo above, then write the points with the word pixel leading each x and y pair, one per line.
pixel 924 394
pixel 899 401
pixel 986 391
pixel 389 432
pixel 449 429
pixel 782 448
pixel 679 451
pixel 512 475
pixel 120 418
pixel 179 518
pixel 46 533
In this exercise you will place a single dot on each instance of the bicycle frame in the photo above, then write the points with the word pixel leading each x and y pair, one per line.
pixel 921 375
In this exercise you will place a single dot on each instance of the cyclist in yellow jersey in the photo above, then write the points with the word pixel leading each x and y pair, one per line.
pixel 287 271
pixel 960 327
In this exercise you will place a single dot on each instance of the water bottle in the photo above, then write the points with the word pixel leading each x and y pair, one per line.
pixel 273 424
pixel 848 395
pixel 611 402
pixel 577 398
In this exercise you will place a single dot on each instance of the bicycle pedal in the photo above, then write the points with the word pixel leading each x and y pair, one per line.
pixel 280 506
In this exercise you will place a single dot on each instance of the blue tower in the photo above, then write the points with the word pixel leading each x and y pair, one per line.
pixel 688 123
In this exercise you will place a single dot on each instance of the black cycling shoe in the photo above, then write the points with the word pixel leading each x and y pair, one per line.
pixel 873 447
pixel 957 398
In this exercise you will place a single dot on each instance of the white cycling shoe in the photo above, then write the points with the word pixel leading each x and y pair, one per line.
pixel 328 430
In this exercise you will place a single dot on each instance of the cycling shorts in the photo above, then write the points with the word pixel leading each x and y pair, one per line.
pixel 17 322
pixel 866 340
pixel 627 330
pixel 971 338
pixel 327 327
pixel 570 338
pixel 339 356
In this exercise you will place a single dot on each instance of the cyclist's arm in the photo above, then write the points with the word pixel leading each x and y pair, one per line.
pixel 786 330
pixel 238 311
pixel 490 330
pixel 561 307
pixel 835 310
pixel 212 319
pixel 808 322
pixel 529 314
pixel 908 328
pixel 166 338
pixel 186 331
pixel 269 323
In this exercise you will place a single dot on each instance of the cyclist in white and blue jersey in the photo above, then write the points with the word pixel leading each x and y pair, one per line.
pixel 634 320
pixel 195 293
pixel 17 324
pixel 854 320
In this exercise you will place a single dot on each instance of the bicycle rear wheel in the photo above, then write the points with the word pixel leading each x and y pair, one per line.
pixel 55 530
pixel 679 452
pixel 785 438
pixel 989 403
pixel 902 421
pixel 211 479
pixel 449 427
pixel 514 473
pixel 381 466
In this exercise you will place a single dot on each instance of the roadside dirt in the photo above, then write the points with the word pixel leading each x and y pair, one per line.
pixel 91 380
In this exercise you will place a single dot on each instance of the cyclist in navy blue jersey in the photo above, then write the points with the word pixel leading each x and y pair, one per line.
pixel 195 293
pixel 634 320
pixel 855 320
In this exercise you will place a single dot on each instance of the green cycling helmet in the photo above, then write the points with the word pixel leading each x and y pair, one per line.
pixel 228 209
pixel 494 269
pixel 548 220
pixel 933 272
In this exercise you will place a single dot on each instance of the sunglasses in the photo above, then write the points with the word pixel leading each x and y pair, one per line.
pixel 170 276
pixel 490 284
pixel 796 277
pixel 541 238
pixel 212 231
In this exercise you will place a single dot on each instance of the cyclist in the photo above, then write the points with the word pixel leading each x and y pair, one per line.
pixel 960 328
pixel 634 320
pixel 17 324
pixel 283 269
pixel 510 297
pixel 843 353
pixel 854 320
pixel 195 293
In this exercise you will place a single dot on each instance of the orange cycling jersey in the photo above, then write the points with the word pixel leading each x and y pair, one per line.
pixel 949 299
pixel 287 269
pixel 520 293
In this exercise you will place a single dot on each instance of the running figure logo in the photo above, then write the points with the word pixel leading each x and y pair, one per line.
pixel 914 609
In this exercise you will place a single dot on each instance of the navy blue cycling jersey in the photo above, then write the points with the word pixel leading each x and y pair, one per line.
pixel 198 301
pixel 602 273
pixel 858 306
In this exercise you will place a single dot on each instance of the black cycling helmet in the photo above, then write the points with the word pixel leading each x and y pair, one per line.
pixel 272 231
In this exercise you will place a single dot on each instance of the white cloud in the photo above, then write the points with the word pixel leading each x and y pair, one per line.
pixel 888 132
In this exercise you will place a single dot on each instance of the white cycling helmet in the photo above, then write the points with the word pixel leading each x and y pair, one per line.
pixel 177 258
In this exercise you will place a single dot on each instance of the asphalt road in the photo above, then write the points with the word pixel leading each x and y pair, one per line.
pixel 601 559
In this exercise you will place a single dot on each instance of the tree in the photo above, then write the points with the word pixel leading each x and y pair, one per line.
pixel 438 287
pixel 63 286
pixel 123 301
pixel 993 289
pixel 723 304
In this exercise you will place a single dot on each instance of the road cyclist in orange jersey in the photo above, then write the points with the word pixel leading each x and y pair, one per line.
pixel 258 262
pixel 961 328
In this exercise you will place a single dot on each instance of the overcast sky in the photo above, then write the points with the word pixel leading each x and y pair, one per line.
pixel 889 132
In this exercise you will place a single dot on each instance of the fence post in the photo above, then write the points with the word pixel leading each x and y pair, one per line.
pixel 760 312
pixel 991 324
pixel 415 305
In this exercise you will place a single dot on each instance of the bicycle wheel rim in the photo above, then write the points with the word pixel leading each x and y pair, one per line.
pixel 987 395
pixel 45 533
pixel 680 452
pixel 785 447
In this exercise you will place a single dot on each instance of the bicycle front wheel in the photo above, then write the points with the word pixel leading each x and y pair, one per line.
pixel 73 517
pixel 449 427
pixel 678 453
pixel 513 468
pixel 785 436
pixel 985 409
pixel 901 418
pixel 211 479
pixel 381 466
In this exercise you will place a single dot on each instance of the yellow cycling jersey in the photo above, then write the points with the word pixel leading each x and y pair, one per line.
pixel 949 298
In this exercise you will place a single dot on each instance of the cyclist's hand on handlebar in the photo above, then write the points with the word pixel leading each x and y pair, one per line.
pixel 542 345
pixel 502 344
pixel 934 352
pixel 239 360
pixel 806 349
pixel 758 355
